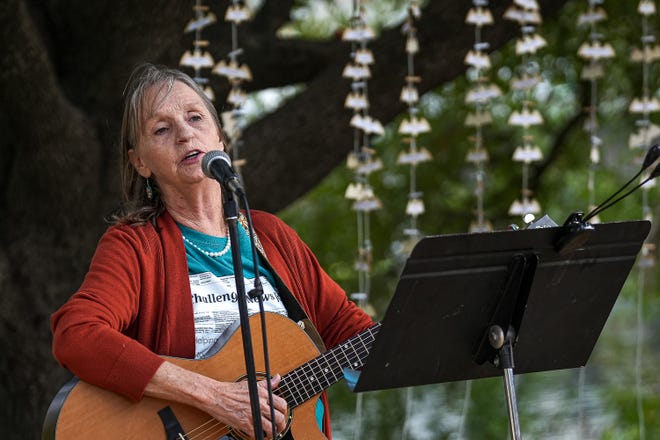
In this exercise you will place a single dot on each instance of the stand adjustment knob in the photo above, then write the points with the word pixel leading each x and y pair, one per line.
pixel 496 336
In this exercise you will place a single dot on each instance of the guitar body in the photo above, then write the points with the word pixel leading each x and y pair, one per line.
pixel 84 411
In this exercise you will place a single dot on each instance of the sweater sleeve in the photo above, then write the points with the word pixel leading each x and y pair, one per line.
pixel 94 331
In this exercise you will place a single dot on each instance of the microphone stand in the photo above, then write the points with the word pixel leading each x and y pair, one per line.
pixel 257 292
pixel 231 216
pixel 217 165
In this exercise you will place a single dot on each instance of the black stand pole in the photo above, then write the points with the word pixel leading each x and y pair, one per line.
pixel 497 343
pixel 231 216
pixel 257 292
pixel 505 361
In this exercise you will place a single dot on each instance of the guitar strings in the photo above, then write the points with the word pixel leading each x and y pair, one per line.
pixel 216 427
pixel 212 424
pixel 355 349
pixel 320 371
pixel 213 427
pixel 317 371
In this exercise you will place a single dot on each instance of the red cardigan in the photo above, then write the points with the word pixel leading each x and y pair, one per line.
pixel 134 303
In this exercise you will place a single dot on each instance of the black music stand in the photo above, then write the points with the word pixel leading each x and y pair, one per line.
pixel 468 305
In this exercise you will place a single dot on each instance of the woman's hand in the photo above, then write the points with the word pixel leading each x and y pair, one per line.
pixel 233 407
pixel 228 402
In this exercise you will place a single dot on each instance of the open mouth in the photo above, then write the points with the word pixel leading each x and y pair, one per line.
pixel 191 155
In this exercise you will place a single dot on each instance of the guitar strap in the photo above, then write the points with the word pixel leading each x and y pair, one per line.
pixel 293 307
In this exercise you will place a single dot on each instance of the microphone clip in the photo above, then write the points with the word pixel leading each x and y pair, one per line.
pixel 574 233
pixel 576 229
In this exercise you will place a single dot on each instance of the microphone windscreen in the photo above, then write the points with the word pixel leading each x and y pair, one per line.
pixel 210 157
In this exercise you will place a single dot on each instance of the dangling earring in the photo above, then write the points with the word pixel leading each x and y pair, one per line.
pixel 148 189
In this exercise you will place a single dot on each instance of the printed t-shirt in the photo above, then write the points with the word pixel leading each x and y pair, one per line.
pixel 213 287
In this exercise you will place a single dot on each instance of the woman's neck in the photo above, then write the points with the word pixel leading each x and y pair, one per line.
pixel 198 210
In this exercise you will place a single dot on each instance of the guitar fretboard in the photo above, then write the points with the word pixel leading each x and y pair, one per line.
pixel 306 381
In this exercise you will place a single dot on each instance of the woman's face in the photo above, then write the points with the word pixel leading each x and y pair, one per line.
pixel 177 130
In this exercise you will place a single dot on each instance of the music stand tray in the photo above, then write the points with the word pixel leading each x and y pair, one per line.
pixel 457 290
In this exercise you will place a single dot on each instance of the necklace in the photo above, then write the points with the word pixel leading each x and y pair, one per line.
pixel 209 253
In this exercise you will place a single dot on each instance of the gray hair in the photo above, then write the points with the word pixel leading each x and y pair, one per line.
pixel 137 207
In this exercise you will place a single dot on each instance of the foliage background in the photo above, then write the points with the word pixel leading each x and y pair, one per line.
pixel 600 402
pixel 62 70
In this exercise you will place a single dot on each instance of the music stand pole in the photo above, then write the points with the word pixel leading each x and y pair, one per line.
pixel 498 340
pixel 504 360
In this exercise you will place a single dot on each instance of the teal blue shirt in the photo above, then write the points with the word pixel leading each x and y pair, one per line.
pixel 199 262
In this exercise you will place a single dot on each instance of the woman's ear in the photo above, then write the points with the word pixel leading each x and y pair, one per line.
pixel 138 164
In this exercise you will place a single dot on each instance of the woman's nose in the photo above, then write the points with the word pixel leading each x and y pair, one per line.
pixel 183 132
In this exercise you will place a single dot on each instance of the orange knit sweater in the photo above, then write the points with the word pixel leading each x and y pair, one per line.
pixel 134 303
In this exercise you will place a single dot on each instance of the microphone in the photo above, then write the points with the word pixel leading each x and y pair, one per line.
pixel 576 229
pixel 216 164
pixel 650 158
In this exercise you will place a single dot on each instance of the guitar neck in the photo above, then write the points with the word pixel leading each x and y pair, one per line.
pixel 316 375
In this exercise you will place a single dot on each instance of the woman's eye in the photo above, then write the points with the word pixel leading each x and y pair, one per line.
pixel 160 131
pixel 196 118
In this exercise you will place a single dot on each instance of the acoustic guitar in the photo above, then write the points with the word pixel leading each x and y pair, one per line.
pixel 83 411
